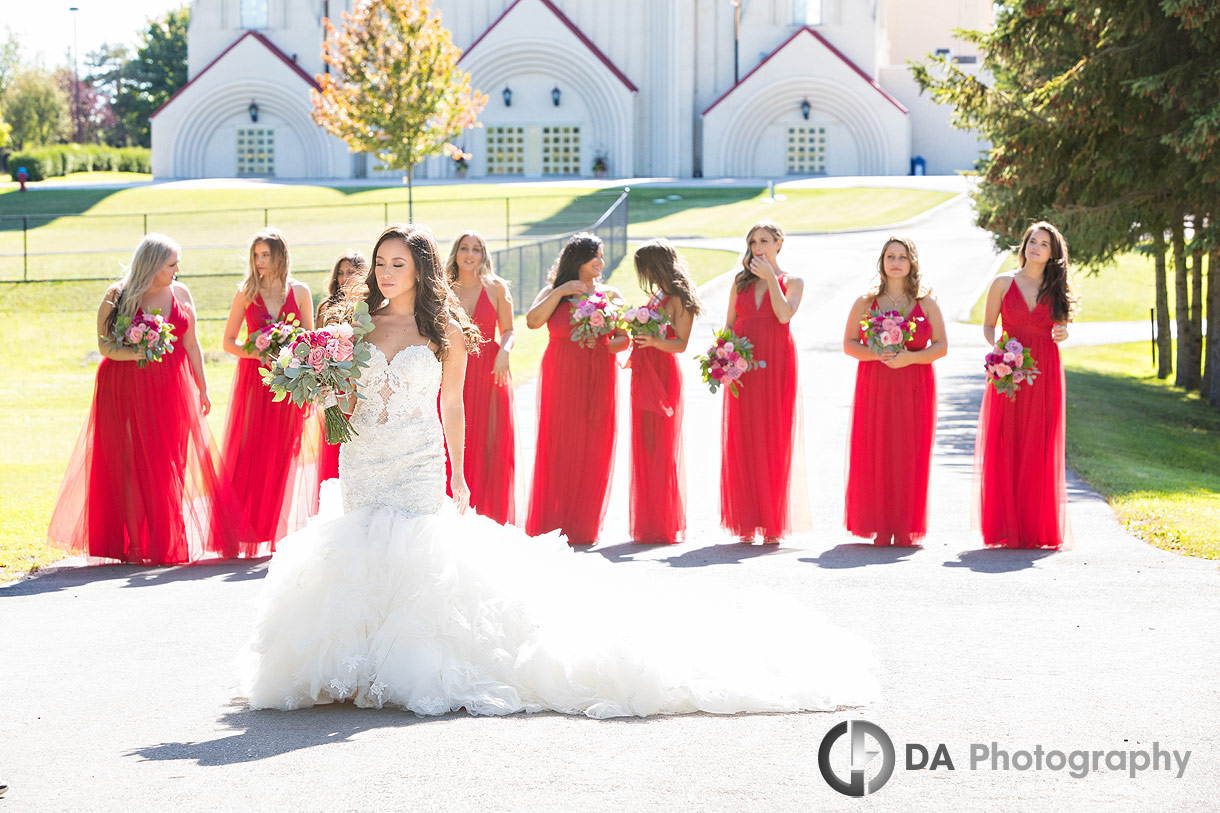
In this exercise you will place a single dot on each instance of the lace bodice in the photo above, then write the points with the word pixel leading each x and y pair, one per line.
pixel 397 458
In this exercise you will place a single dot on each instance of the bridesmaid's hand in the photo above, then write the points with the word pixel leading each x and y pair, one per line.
pixel 642 340
pixel 897 360
pixel 1059 332
pixel 461 493
pixel 887 356
pixel 762 268
pixel 572 287
pixel 500 370
pixel 205 403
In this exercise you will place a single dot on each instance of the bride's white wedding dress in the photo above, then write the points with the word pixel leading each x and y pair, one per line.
pixel 400 601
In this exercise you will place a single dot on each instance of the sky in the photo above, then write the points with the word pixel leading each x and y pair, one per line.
pixel 44 27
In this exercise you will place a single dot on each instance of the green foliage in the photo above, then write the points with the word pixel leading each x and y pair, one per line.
pixel 35 109
pixel 62 159
pixel 143 84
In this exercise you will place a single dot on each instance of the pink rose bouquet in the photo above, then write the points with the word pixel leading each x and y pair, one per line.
pixel 149 334
pixel 271 339
pixel 593 316
pixel 645 321
pixel 318 366
pixel 886 331
pixel 1009 365
pixel 727 360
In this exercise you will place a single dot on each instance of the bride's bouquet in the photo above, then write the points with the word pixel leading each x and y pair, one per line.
pixel 1009 365
pixel 646 321
pixel 886 331
pixel 727 360
pixel 593 316
pixel 271 339
pixel 319 366
pixel 149 334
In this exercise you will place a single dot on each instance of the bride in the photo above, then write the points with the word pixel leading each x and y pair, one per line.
pixel 406 600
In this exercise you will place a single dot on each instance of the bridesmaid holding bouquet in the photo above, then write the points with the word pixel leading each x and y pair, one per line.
pixel 762 483
pixel 1019 449
pixel 267 457
pixel 490 459
pixel 658 475
pixel 895 332
pixel 141 485
pixel 577 390
pixel 349 269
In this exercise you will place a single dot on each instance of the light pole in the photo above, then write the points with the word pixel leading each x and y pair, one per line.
pixel 75 76
pixel 736 39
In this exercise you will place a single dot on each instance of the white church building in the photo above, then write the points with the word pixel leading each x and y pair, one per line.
pixel 652 88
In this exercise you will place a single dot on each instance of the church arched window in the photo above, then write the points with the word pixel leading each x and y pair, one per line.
pixel 254 14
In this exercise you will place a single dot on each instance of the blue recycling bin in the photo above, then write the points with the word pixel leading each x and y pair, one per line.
pixel 919 166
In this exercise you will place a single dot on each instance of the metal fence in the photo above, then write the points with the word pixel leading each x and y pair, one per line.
pixel 526 266
pixel 53 247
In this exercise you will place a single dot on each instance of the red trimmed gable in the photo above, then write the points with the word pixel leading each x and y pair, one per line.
pixel 588 43
pixel 826 43
pixel 268 44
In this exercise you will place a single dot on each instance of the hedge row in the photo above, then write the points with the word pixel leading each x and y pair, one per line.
pixel 61 159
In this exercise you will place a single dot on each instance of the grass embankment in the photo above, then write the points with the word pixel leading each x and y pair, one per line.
pixel 43 406
pixel 1122 292
pixel 1152 450
pixel 213 224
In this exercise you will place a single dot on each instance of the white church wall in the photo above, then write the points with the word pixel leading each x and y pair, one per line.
pixel 944 148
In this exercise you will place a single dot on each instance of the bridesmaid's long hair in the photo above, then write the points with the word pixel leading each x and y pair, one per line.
pixel 1056 287
pixel 662 267
pixel 152 253
pixel 281 262
pixel 353 257
pixel 435 303
pixel 575 253
pixel 486 271
pixel 745 277
pixel 915 288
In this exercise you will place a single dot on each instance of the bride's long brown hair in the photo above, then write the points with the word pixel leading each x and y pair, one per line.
pixel 435 303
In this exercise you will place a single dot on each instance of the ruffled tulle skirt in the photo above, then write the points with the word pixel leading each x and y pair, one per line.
pixel 441 612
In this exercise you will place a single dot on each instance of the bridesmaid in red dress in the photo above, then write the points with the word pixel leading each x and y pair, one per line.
pixel 762 482
pixel 893 418
pixel 658 473
pixel 1019 450
pixel 141 484
pixel 349 269
pixel 267 458
pixel 491 434
pixel 576 403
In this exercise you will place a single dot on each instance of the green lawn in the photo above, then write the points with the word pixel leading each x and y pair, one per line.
pixel 213 224
pixel 1122 292
pixel 1151 449
pixel 42 408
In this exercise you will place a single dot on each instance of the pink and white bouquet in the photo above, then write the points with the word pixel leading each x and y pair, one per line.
pixel 319 366
pixel 887 331
pixel 1009 365
pixel 727 360
pixel 593 316
pixel 149 334
pixel 271 339
pixel 645 321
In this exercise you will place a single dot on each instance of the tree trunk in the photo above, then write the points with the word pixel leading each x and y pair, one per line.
pixel 1212 378
pixel 1196 311
pixel 1163 342
pixel 1181 303
pixel 410 195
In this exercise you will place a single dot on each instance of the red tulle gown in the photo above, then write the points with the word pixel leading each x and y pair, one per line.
pixel 575 453
pixel 328 457
pixel 268 458
pixel 490 457
pixel 142 483
pixel 762 482
pixel 893 425
pixel 658 476
pixel 1019 450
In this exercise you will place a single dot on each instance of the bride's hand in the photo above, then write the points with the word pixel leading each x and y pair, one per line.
pixel 461 493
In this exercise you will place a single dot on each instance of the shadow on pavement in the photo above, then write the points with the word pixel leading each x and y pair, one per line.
pixel 999 560
pixel 860 554
pixel 728 554
pixel 66 578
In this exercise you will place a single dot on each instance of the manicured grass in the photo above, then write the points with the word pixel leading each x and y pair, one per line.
pixel 80 178
pixel 1122 292
pixel 43 407
pixel 213 224
pixel 1151 449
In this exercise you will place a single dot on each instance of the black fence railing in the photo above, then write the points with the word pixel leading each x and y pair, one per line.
pixel 526 266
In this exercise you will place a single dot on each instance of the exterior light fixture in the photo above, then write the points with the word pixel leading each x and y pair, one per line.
pixel 555 93
pixel 507 96
pixel 253 110
pixel 805 108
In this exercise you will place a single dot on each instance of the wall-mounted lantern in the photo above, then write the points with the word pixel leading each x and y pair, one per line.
pixel 555 94
pixel 805 108
pixel 507 96
pixel 253 111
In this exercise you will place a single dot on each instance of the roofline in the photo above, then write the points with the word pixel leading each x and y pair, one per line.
pixel 842 57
